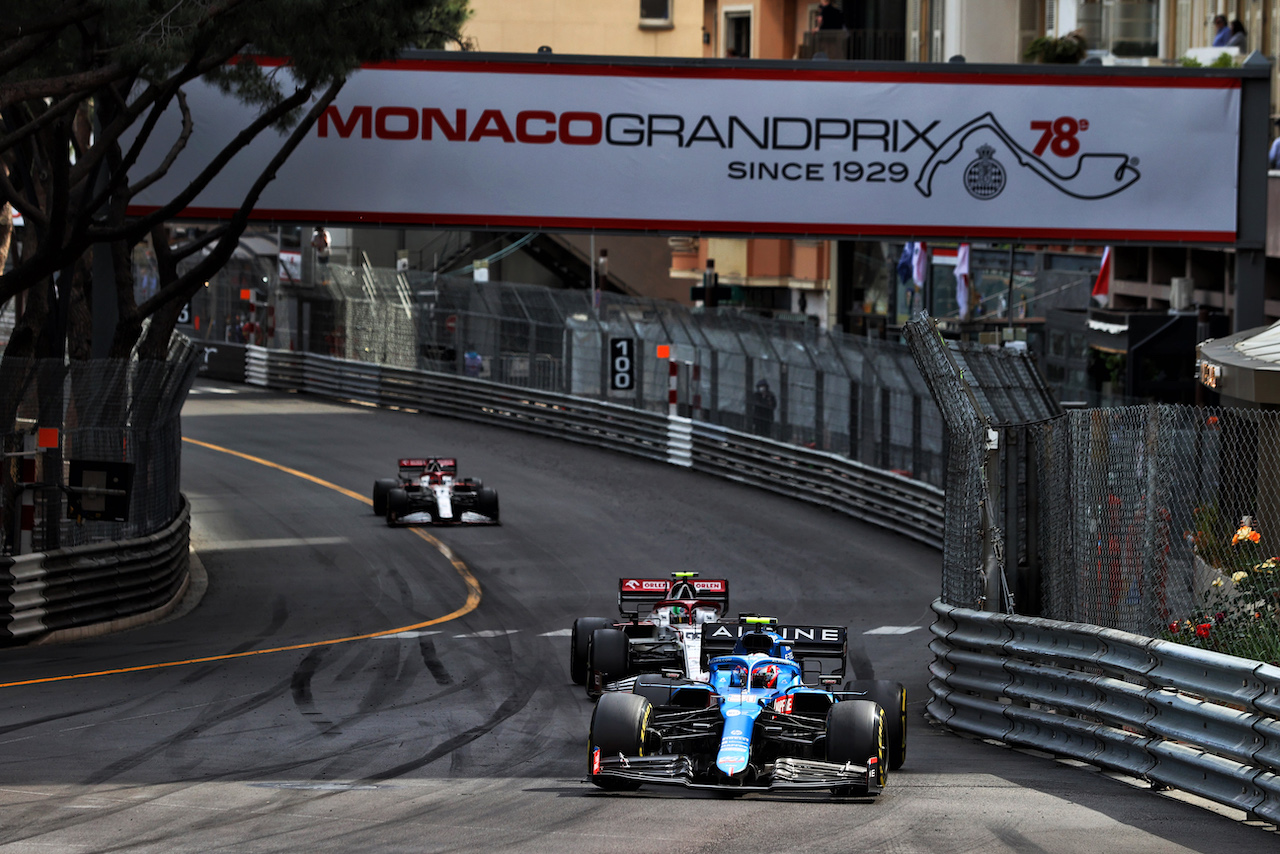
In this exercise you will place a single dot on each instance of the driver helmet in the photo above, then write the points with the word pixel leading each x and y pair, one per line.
pixel 435 477
pixel 679 614
pixel 765 677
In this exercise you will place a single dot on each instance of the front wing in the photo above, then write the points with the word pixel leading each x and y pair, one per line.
pixel 788 773
pixel 423 517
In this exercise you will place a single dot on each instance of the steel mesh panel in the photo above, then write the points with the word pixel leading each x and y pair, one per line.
pixel 962 555
pixel 104 411
pixel 835 392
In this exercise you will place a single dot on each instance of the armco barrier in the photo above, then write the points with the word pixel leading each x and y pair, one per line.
pixel 1175 715
pixel 87 585
pixel 909 507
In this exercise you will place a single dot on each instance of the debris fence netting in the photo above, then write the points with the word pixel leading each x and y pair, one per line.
pixel 62 415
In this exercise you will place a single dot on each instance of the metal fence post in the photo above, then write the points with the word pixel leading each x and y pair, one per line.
pixel 713 416
pixel 819 409
pixel 886 435
pixel 855 420
pixel 917 445
pixel 783 430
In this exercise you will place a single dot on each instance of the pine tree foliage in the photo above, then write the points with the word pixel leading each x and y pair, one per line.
pixel 79 77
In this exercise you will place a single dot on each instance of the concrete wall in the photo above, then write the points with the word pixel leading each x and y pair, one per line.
pixel 607 27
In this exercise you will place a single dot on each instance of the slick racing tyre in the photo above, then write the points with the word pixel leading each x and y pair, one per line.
pixel 397 506
pixel 380 489
pixel 579 642
pixel 609 653
pixel 617 726
pixel 487 503
pixel 892 697
pixel 855 733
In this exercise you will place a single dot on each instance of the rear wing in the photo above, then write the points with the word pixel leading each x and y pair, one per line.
pixel 422 465
pixel 820 650
pixel 637 595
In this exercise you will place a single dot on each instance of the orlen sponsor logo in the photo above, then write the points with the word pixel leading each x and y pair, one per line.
pixel 661 585
pixel 642 585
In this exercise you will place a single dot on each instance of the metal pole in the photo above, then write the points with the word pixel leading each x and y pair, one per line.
pixel 1008 308
pixel 1251 211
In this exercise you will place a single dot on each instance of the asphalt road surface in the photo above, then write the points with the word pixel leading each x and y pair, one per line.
pixel 262 717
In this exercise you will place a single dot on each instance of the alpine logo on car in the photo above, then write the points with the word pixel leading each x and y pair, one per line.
pixel 820 634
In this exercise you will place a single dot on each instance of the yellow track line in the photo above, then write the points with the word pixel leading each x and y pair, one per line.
pixel 473 591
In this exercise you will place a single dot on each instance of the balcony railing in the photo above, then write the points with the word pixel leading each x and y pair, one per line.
pixel 855 44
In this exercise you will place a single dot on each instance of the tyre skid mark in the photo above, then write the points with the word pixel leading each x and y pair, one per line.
pixel 472 600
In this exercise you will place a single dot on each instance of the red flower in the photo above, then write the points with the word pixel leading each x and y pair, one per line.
pixel 1173 627
pixel 1203 629
pixel 1219 617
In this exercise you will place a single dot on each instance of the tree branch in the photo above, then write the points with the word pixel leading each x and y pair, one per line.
pixel 221 253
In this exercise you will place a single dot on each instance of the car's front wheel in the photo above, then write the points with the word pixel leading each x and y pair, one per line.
pixel 892 697
pixel 855 733
pixel 608 654
pixel 397 506
pixel 381 487
pixel 487 503
pixel 579 644
pixel 618 726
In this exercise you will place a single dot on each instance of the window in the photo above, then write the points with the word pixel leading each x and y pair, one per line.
pixel 737 33
pixel 655 13
pixel 1127 28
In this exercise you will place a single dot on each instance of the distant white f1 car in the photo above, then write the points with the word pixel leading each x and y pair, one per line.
pixel 429 491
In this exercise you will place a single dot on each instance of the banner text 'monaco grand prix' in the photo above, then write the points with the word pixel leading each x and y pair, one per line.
pixel 737 149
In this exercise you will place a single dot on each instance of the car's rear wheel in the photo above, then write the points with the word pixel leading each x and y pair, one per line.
pixel 618 726
pixel 397 505
pixel 608 654
pixel 579 642
pixel 381 487
pixel 855 733
pixel 892 697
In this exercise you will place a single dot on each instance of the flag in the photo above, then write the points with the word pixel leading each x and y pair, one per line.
pixel 919 263
pixel 962 280
pixel 1102 286
pixel 904 264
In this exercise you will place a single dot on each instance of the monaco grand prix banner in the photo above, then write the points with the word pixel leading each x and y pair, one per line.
pixel 765 148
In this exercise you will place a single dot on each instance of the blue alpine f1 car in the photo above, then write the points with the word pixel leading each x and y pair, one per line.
pixel 768 717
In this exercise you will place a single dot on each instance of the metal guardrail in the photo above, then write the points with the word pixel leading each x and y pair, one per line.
pixel 1174 715
pixel 872 495
pixel 86 585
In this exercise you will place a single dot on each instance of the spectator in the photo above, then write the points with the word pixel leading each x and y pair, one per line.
pixel 320 242
pixel 1239 38
pixel 1273 156
pixel 472 362
pixel 829 17
pixel 1221 32
pixel 763 403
